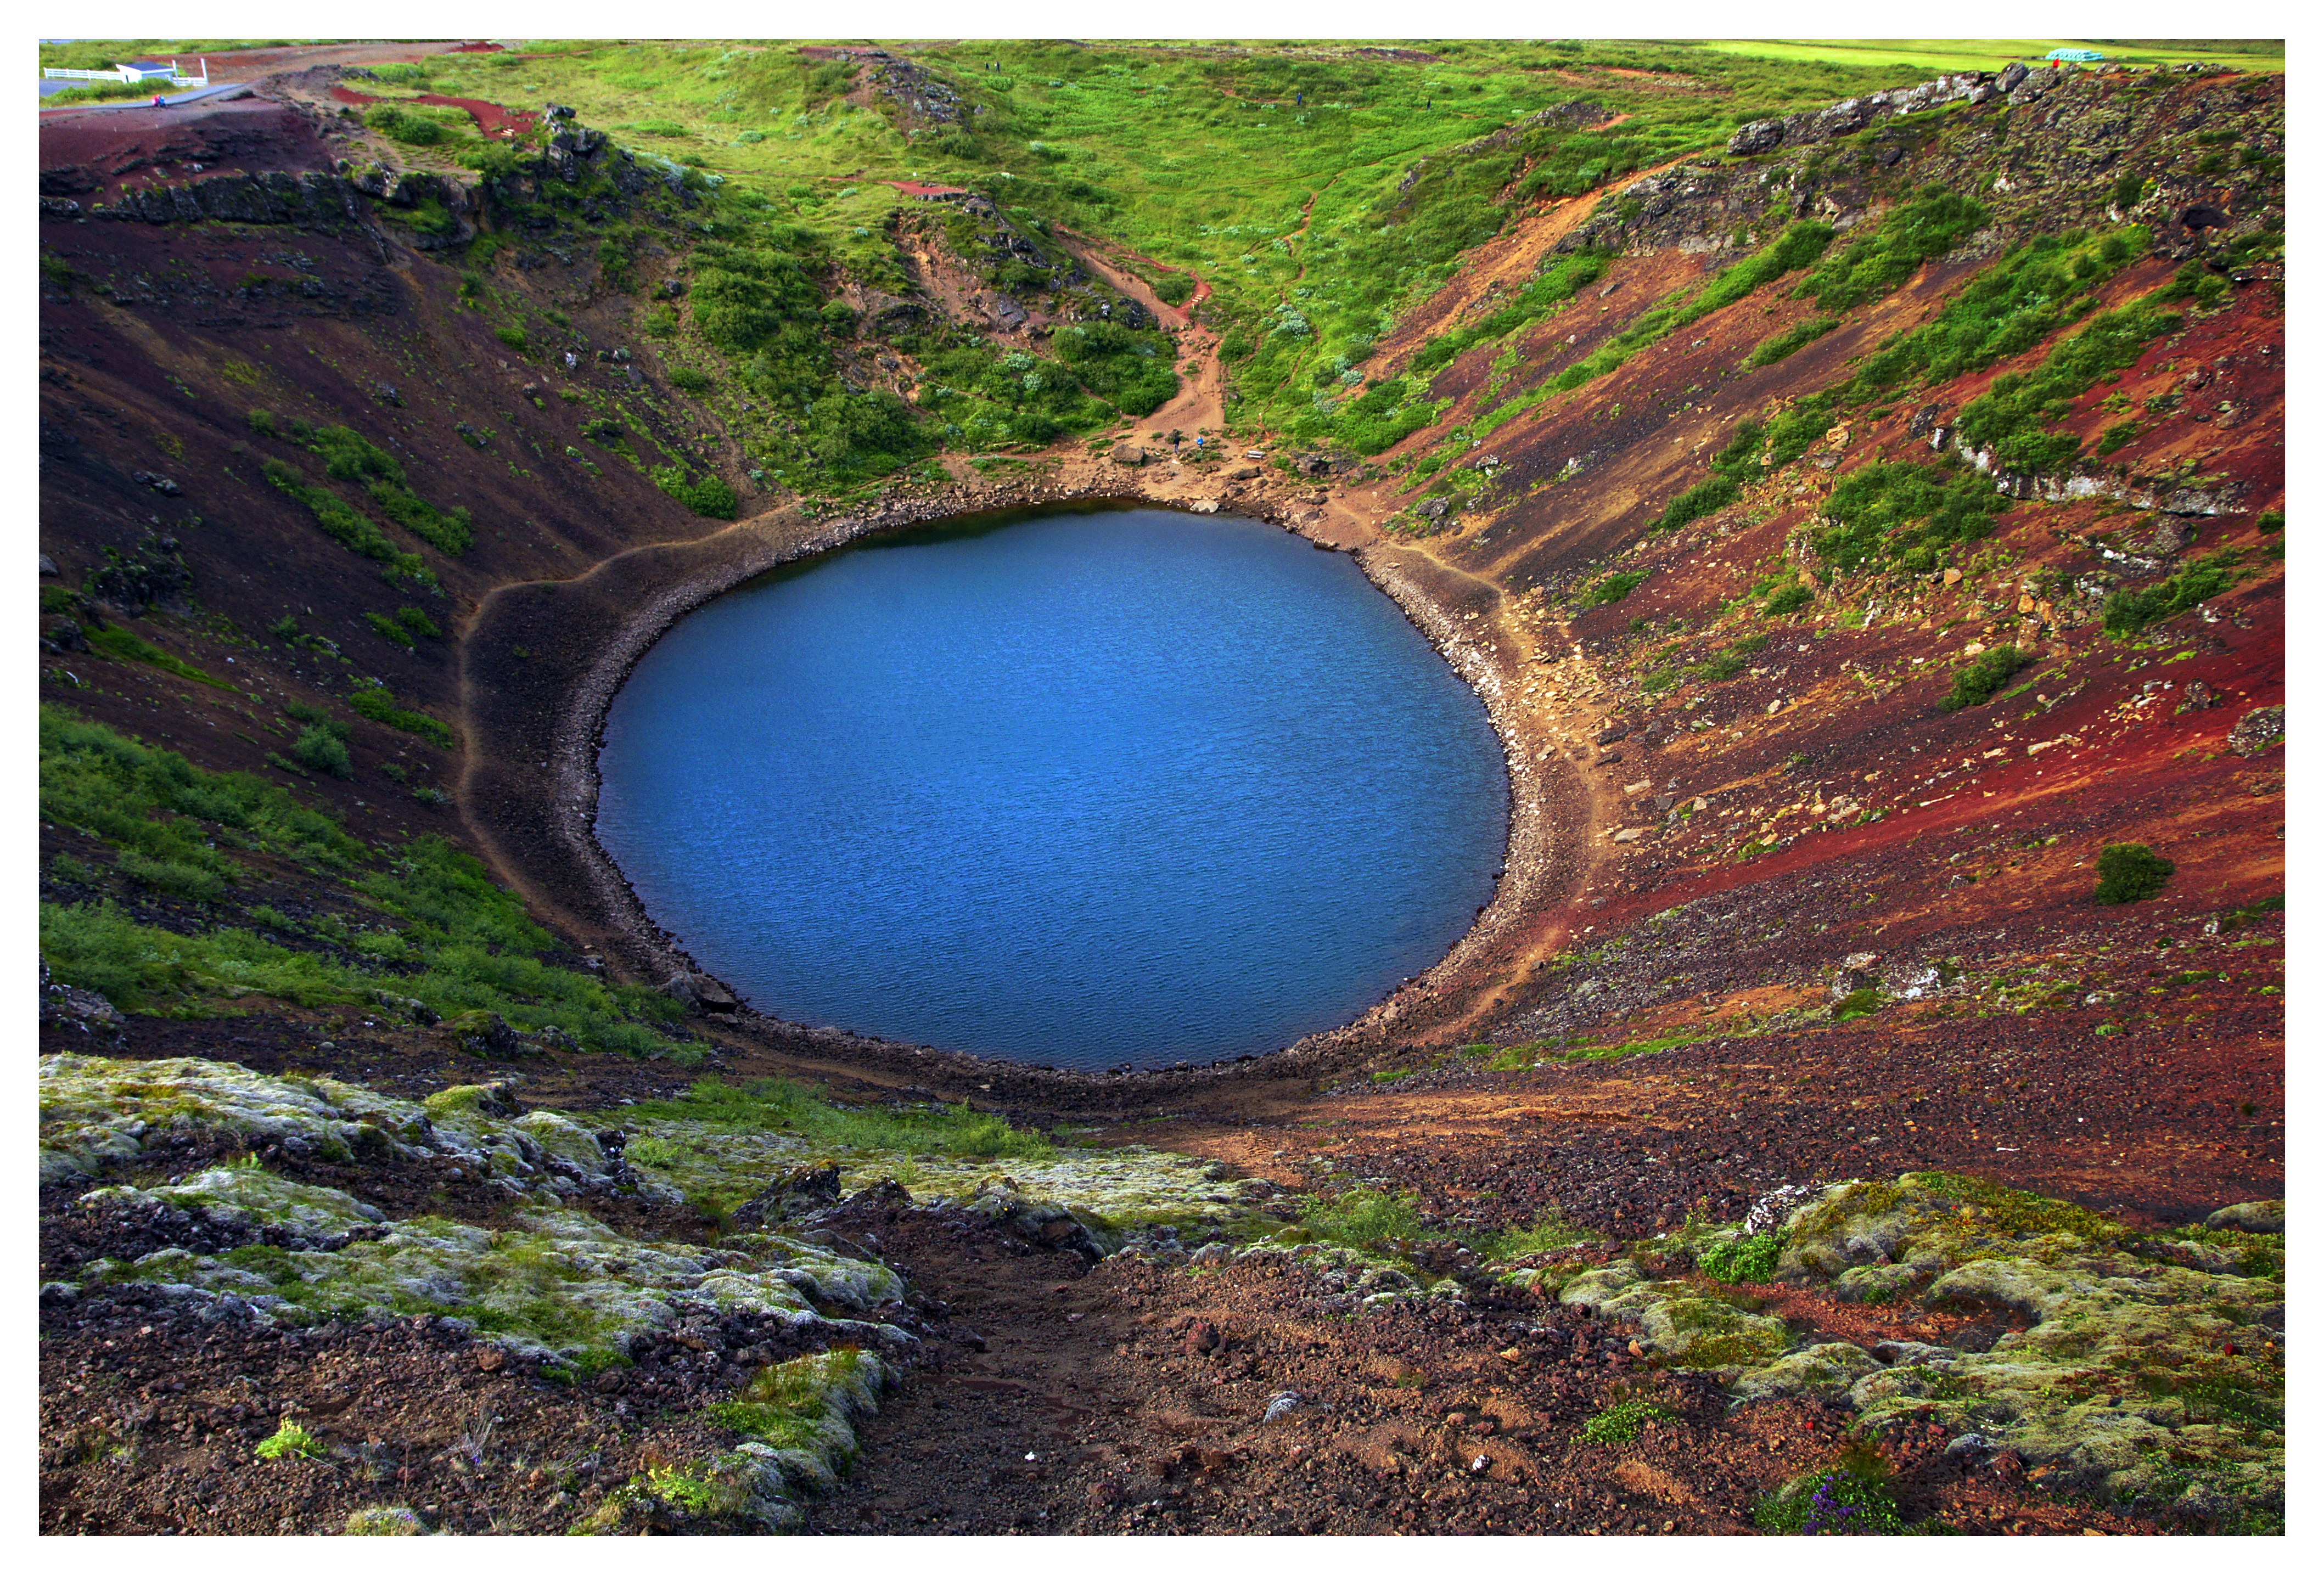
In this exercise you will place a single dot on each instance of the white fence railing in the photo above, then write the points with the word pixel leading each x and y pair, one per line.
pixel 134 74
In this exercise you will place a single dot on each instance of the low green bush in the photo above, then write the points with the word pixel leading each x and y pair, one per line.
pixel 1745 1260
pixel 1983 677
pixel 711 498
pixel 2130 610
pixel 1777 346
pixel 1787 600
pixel 2131 872
pixel 320 749
pixel 1362 1217
pixel 380 706
pixel 1622 1421
pixel 115 641
pixel 1849 1497
pixel 1612 588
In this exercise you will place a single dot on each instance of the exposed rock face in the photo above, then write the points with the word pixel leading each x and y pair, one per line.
pixel 2262 1217
pixel 2069 135
pixel 2258 730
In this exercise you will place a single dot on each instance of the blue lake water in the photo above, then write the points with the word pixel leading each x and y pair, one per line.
pixel 1081 789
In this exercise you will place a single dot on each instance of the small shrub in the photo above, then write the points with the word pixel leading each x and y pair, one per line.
pixel 2127 612
pixel 1786 600
pixel 2131 872
pixel 688 379
pixel 1362 1217
pixel 515 339
pixel 389 630
pixel 1850 1497
pixel 1749 1260
pixel 711 498
pixel 380 706
pixel 1776 348
pixel 403 126
pixel 1982 679
pixel 1613 588
pixel 1857 1003
pixel 291 1439
pixel 321 749
pixel 174 877
pixel 1621 1421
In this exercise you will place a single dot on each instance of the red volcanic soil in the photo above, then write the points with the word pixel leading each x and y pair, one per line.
pixel 492 119
pixel 95 154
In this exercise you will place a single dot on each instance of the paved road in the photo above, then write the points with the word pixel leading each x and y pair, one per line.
pixel 169 100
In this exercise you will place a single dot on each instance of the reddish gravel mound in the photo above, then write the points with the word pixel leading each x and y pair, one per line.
pixel 95 154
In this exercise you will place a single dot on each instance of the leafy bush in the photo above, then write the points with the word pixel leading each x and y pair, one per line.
pixel 1982 679
pixel 1622 1421
pixel 450 534
pixel 689 379
pixel 117 642
pixel 2011 418
pixel 1850 1497
pixel 515 339
pixel 2131 872
pixel 1789 598
pixel 389 630
pixel 342 524
pixel 710 497
pixel 1907 513
pixel 2008 307
pixel 1362 1217
pixel 2128 610
pixel 289 1439
pixel 1798 337
pixel 1612 588
pixel 402 125
pixel 132 795
pixel 1934 222
pixel 1132 370
pixel 1733 468
pixel 174 876
pixel 321 749
pixel 1173 288
pixel 1745 1260
pixel 380 706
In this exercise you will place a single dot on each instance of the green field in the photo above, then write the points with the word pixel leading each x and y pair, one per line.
pixel 1318 189
pixel 1990 54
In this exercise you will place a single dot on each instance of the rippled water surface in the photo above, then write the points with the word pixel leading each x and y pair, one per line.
pixel 1080 789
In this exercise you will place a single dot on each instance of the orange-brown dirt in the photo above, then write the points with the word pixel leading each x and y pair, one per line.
pixel 1970 866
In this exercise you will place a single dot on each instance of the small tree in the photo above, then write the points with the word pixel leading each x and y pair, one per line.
pixel 2131 872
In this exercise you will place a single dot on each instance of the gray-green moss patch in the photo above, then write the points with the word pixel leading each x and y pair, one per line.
pixel 2151 1371
pixel 561 1286
pixel 795 1421
pixel 1112 1192
pixel 97 1112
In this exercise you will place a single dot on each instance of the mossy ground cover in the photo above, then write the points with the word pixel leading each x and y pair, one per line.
pixel 2151 1372
pixel 1317 191
pixel 430 926
pixel 720 1144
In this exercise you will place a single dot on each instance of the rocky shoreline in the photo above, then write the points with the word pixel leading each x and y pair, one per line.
pixel 540 816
